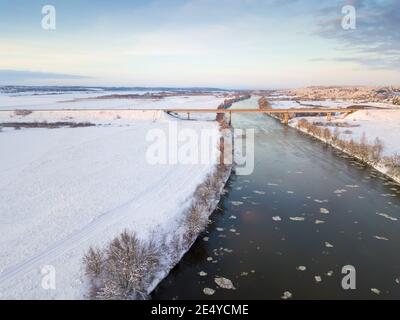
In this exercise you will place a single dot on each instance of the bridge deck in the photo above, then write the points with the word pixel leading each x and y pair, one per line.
pixel 302 110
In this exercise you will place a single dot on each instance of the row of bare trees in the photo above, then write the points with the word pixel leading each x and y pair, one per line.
pixel 123 269
pixel 263 103
pixel 126 267
pixel 226 105
pixel 367 152
pixel 392 163
pixel 229 102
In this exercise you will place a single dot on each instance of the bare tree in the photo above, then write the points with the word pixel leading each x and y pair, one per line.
pixel 123 269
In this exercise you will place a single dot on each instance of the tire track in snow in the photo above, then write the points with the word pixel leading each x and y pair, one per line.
pixel 106 219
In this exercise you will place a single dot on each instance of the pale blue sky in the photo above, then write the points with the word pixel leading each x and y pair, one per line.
pixel 220 43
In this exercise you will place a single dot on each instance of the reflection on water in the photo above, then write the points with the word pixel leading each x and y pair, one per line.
pixel 305 212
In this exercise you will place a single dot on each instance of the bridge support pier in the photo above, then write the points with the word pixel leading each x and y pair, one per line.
pixel 348 113
pixel 285 119
pixel 230 118
pixel 188 115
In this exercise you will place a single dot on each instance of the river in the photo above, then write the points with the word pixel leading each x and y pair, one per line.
pixel 306 211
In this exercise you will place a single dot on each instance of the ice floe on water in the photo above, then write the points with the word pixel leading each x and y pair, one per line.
pixel 388 195
pixel 318 279
pixel 287 295
pixel 301 268
pixel 320 201
pixel 224 283
pixel 277 218
pixel 319 222
pixel 328 245
pixel 233 217
pixel 329 273
pixel 236 203
pixel 206 239
pixel 381 238
pixel 259 192
pixel 376 291
pixel 202 274
pixel 290 192
pixel 297 218
pixel 272 184
pixel 386 216
pixel 220 229
pixel 208 291
pixel 323 210
pixel 340 191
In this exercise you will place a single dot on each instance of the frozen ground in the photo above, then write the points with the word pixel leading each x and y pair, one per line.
pixel 83 100
pixel 63 190
pixel 100 117
pixel 373 124
pixel 327 104
pixel 283 104
pixel 347 103
pixel 383 124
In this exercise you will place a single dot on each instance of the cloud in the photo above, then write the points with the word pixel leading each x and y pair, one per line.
pixel 20 75
pixel 376 40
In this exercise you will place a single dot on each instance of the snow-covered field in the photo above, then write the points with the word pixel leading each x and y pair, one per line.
pixel 64 190
pixel 373 124
pixel 79 100
pixel 347 103
pixel 328 104
pixel 384 125
pixel 100 117
pixel 285 104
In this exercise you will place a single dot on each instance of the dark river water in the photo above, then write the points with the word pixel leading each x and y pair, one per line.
pixel 332 210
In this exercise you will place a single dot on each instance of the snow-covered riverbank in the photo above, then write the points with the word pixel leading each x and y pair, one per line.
pixel 368 125
pixel 369 128
pixel 64 190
